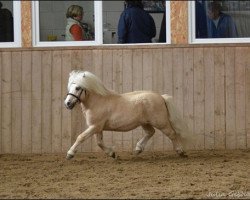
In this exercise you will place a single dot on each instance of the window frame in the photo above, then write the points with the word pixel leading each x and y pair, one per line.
pixel 36 29
pixel 194 40
pixel 98 12
pixel 16 26
pixel 168 22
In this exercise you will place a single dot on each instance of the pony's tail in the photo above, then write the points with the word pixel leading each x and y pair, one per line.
pixel 188 139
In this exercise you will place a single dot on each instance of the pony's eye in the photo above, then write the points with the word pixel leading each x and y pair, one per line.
pixel 78 88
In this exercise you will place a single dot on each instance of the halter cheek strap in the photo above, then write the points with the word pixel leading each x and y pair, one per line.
pixel 77 97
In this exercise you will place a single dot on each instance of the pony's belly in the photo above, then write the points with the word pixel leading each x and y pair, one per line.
pixel 114 126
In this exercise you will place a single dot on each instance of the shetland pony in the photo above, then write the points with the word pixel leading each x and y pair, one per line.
pixel 106 110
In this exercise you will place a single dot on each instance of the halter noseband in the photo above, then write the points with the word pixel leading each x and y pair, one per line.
pixel 77 97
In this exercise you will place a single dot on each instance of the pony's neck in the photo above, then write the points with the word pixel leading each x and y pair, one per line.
pixel 92 99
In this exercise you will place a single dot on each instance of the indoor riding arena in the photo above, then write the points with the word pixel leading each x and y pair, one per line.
pixel 210 85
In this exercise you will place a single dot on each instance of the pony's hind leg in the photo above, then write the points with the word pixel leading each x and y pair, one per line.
pixel 142 143
pixel 109 151
pixel 176 140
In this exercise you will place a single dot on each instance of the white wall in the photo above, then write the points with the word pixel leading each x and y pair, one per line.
pixel 111 14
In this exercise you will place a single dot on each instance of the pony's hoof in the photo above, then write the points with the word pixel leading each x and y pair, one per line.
pixel 112 155
pixel 137 152
pixel 69 156
pixel 183 155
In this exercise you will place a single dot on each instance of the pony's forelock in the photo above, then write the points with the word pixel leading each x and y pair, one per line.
pixel 88 81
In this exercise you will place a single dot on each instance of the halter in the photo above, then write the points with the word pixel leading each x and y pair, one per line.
pixel 77 97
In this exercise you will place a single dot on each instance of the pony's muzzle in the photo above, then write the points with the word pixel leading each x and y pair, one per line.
pixel 69 105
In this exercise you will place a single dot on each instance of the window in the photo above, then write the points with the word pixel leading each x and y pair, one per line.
pixel 219 21
pixel 49 22
pixel 10 24
pixel 100 21
pixel 112 11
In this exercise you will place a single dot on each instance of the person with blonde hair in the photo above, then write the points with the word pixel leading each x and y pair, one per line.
pixel 74 29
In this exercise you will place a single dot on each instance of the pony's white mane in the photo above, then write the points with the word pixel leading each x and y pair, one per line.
pixel 88 81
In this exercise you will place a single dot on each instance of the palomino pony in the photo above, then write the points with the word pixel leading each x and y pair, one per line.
pixel 106 110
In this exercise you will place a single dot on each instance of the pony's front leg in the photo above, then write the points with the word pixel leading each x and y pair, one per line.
pixel 109 151
pixel 83 136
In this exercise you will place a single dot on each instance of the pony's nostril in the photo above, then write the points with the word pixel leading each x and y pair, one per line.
pixel 68 103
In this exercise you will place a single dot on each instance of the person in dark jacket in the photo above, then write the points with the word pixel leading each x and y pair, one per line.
pixel 135 24
pixel 220 25
pixel 200 20
pixel 6 25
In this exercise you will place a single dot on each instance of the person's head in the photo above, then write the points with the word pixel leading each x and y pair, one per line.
pixel 137 3
pixel 214 10
pixel 75 12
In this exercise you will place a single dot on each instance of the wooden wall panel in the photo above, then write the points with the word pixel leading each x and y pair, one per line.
pixel 16 103
pixel 240 93
pixel 6 102
pixel 147 70
pixel 209 98
pixel 56 106
pixel 26 101
pixel 230 98
pixel 36 102
pixel 210 86
pixel 219 100
pixel 46 101
pixel 188 89
pixel 199 98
